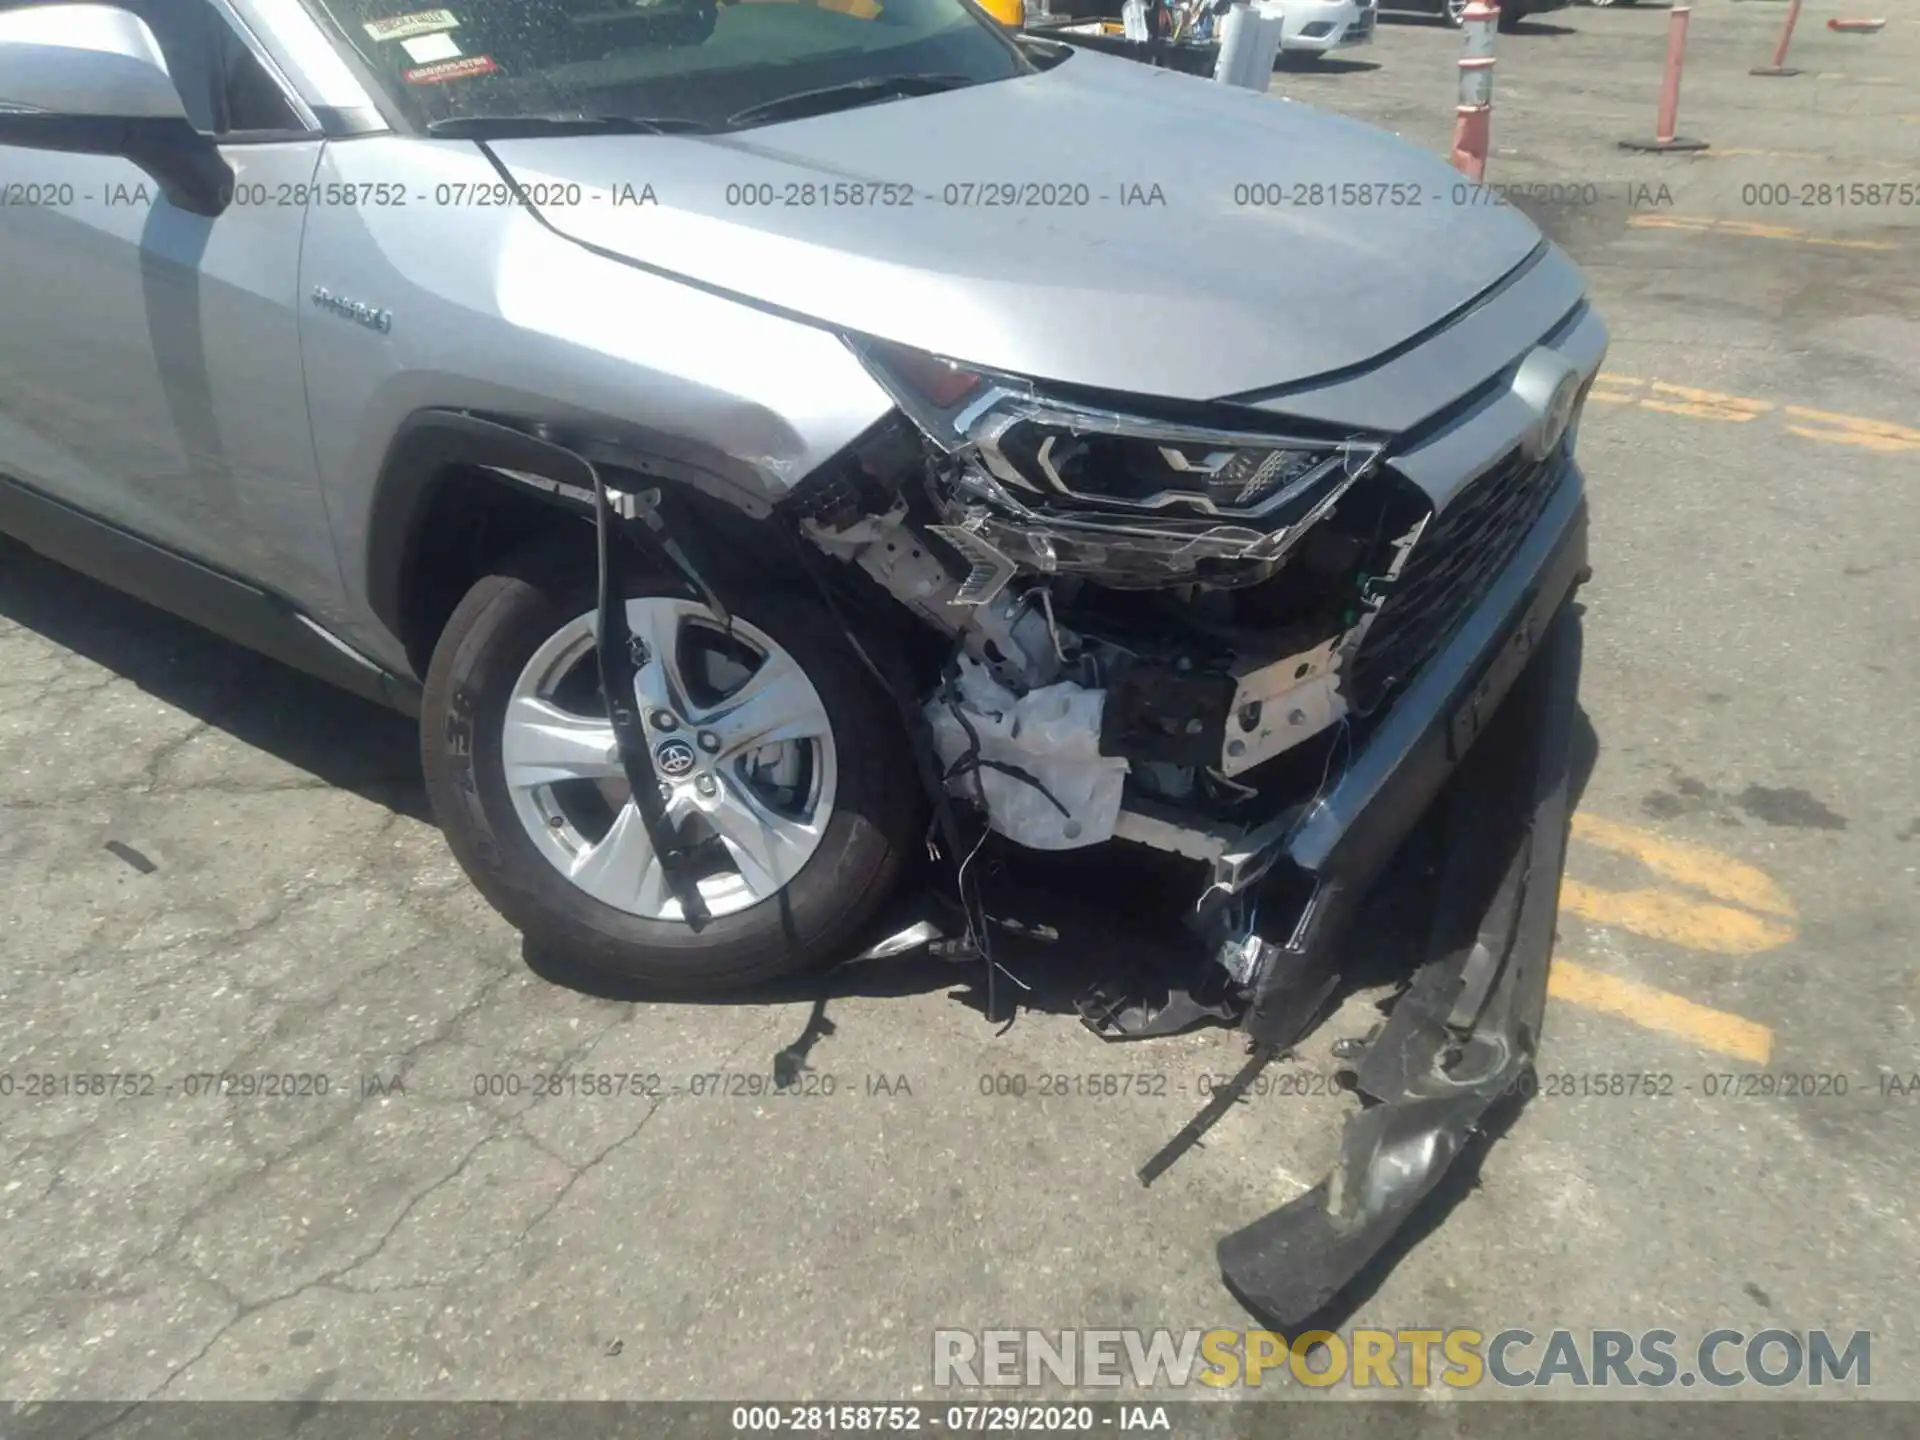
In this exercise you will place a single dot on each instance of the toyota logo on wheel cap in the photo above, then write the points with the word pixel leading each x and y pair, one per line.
pixel 675 758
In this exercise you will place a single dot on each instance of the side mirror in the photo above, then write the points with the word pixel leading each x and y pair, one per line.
pixel 92 80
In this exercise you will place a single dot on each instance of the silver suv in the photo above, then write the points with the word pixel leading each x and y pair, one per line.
pixel 764 442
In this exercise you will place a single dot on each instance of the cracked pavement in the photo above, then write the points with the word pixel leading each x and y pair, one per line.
pixel 275 902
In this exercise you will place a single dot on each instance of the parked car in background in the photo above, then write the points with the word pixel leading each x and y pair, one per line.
pixel 1308 30
pixel 1512 12
pixel 1311 28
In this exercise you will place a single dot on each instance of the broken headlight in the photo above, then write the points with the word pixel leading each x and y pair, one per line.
pixel 1057 486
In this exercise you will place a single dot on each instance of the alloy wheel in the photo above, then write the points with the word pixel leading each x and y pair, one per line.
pixel 741 745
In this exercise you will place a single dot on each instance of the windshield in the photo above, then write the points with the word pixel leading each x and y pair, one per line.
pixel 697 63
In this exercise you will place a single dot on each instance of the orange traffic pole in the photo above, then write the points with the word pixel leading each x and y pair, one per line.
pixel 1664 137
pixel 1779 65
pixel 1473 116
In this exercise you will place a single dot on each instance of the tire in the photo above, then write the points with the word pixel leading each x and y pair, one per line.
pixel 509 637
pixel 1510 20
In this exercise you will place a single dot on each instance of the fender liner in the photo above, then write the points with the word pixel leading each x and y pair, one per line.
pixel 424 447
pixel 555 467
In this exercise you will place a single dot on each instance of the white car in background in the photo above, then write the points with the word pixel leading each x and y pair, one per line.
pixel 1308 28
pixel 1313 27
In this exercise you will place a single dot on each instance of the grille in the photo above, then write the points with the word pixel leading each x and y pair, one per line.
pixel 1450 567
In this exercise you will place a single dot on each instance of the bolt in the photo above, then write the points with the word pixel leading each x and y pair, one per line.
pixel 1237 747
pixel 1194 727
pixel 709 741
pixel 663 720
pixel 666 791
pixel 707 786
pixel 1296 717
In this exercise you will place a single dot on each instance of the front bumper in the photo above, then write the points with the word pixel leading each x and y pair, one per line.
pixel 1318 26
pixel 1354 826
pixel 1360 32
pixel 1465 1031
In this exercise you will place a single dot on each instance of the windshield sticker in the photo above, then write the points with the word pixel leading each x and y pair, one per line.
pixel 402 27
pixel 450 70
pixel 430 47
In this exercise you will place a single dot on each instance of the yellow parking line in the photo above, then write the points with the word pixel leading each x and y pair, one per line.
pixel 1676 919
pixel 1705 404
pixel 1607 385
pixel 1660 1010
pixel 1881 435
pixel 1802 156
pixel 1753 229
pixel 1699 866
pixel 1668 222
pixel 1722 153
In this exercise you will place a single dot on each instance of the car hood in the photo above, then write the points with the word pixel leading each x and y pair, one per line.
pixel 1089 224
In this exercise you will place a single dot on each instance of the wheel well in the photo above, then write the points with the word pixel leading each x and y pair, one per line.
pixel 471 522
pixel 473 519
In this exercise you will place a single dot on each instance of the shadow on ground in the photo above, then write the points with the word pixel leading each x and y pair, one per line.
pixel 1521 28
pixel 335 737
pixel 1295 63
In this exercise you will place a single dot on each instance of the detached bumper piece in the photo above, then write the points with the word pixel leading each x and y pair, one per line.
pixel 1465 1031
pixel 1146 1007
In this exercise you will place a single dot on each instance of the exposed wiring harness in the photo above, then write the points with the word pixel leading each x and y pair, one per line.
pixel 892 677
pixel 971 762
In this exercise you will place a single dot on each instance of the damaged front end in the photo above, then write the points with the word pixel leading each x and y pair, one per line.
pixel 1264 651
pixel 1139 604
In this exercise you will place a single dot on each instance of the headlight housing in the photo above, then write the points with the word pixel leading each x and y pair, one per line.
pixel 1057 486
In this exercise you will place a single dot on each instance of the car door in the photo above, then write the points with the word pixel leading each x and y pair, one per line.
pixel 150 369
